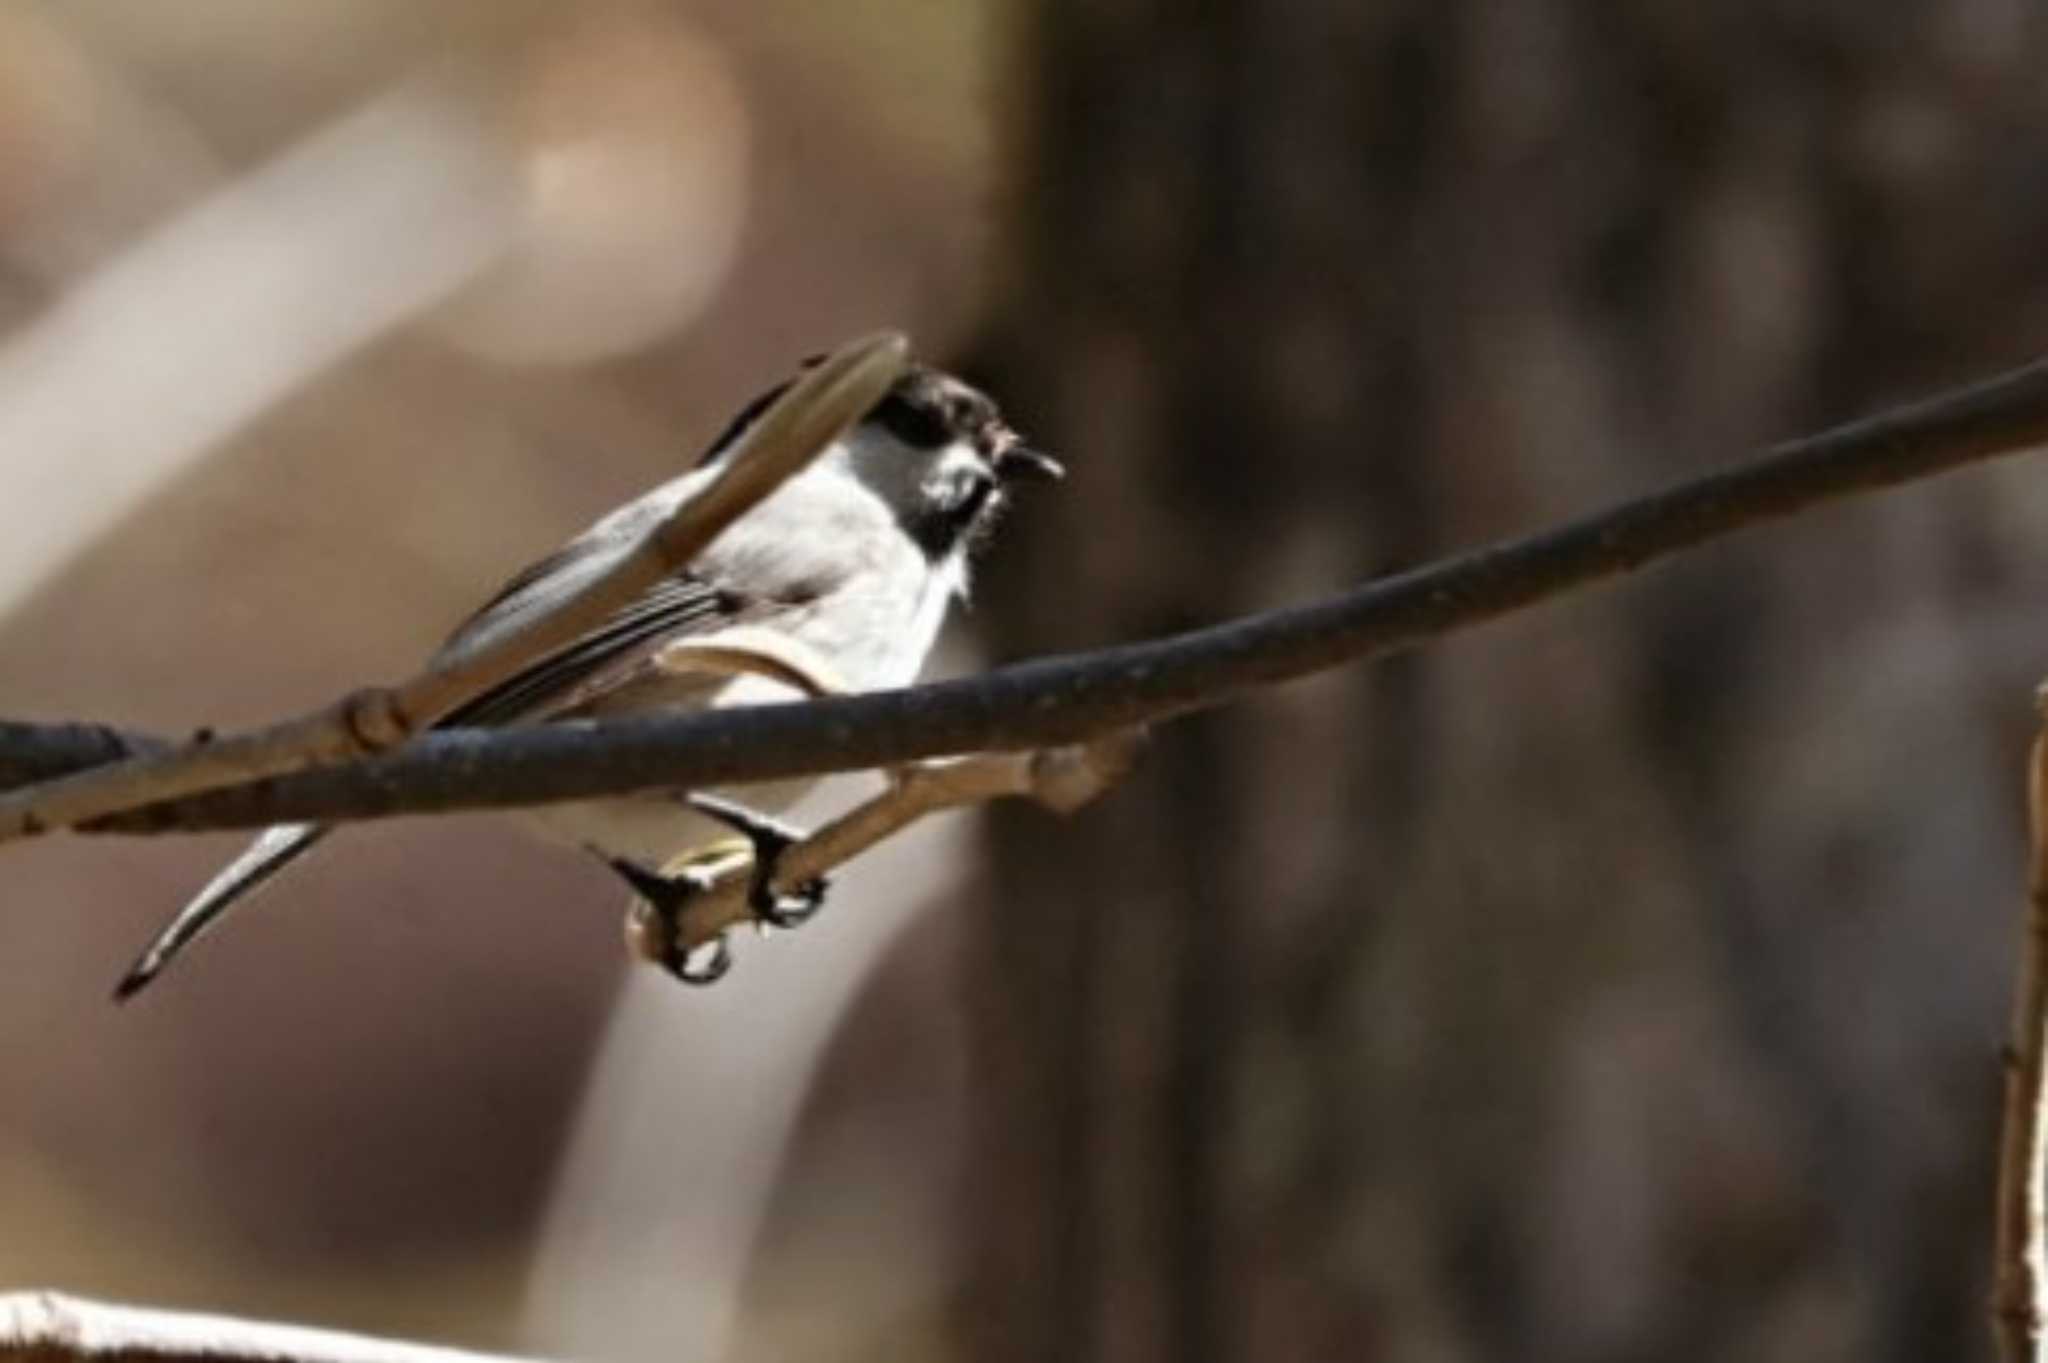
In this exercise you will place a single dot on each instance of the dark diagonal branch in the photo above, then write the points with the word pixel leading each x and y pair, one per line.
pixel 42 752
pixel 1065 699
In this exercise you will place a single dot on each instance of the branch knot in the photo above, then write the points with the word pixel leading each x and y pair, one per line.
pixel 376 719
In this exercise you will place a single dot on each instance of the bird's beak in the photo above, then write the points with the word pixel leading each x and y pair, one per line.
pixel 1019 463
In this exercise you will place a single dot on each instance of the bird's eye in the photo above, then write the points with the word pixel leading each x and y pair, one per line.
pixel 916 424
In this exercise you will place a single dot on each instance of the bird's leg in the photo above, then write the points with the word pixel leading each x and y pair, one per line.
pixel 656 925
pixel 770 838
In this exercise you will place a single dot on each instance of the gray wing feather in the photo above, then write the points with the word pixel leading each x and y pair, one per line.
pixel 581 561
pixel 676 606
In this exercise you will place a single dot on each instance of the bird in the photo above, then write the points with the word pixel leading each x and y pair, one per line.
pixel 854 561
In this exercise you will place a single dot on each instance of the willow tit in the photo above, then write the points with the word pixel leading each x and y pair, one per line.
pixel 855 560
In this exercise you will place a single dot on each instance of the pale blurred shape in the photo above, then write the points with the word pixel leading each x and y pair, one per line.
pixel 172 346
pixel 654 1217
pixel 635 147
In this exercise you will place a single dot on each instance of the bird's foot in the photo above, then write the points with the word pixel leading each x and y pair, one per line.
pixel 655 926
pixel 770 839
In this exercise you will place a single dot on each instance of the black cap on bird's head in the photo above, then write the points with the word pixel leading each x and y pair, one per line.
pixel 929 410
pixel 936 449
pixel 926 409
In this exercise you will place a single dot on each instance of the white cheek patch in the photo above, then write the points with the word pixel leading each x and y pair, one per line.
pixel 955 460
pixel 895 472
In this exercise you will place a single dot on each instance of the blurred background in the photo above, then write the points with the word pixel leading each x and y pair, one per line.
pixel 1620 982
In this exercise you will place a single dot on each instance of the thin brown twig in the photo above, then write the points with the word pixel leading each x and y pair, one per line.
pixel 810 415
pixel 1062 779
pixel 49 1327
pixel 1059 700
pixel 2021 1255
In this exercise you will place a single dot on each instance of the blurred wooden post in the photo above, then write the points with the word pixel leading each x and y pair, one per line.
pixel 1364 1012
pixel 1118 971
pixel 2016 1305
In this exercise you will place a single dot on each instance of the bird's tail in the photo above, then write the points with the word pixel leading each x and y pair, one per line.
pixel 277 848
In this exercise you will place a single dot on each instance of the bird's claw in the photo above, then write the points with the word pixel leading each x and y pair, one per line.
pixel 654 928
pixel 770 840
pixel 683 963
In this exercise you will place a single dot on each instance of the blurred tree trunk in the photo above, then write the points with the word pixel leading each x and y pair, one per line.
pixel 1622 982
